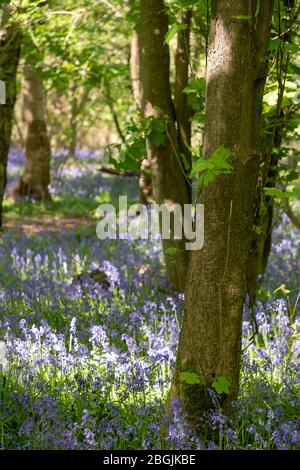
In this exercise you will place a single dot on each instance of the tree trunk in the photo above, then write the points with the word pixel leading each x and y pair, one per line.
pixel 135 67
pixel 73 125
pixel 113 111
pixel 167 173
pixel 262 240
pixel 210 340
pixel 10 43
pixel 182 108
pixel 35 180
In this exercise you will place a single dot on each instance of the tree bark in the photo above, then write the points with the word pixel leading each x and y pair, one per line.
pixel 145 182
pixel 77 108
pixel 210 340
pixel 167 173
pixel 262 241
pixel 135 67
pixel 10 43
pixel 35 180
pixel 182 108
pixel 73 125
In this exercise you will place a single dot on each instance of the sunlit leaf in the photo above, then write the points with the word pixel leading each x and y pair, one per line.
pixel 190 378
pixel 221 385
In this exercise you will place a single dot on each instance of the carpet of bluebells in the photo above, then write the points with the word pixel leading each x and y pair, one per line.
pixel 85 365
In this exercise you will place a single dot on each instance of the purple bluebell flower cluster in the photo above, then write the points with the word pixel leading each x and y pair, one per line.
pixel 83 366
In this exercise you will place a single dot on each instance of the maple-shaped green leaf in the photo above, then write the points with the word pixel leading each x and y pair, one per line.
pixel 155 130
pixel 213 166
pixel 190 378
pixel 173 251
pixel 221 385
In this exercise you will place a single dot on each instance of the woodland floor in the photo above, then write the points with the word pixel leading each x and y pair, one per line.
pixel 45 223
pixel 87 365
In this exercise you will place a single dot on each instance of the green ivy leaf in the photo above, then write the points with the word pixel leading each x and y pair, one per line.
pixel 221 385
pixel 257 229
pixel 213 166
pixel 174 29
pixel 155 130
pixel 190 378
pixel 274 192
pixel 173 251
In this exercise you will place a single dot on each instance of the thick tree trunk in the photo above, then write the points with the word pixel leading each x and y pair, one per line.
pixel 182 108
pixel 35 180
pixel 167 172
pixel 210 341
pixel 10 43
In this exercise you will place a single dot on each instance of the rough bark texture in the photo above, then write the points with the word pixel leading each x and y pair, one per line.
pixel 10 41
pixel 34 183
pixel 182 108
pixel 210 341
pixel 167 173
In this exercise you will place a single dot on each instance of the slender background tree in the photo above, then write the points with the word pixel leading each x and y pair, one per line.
pixel 10 45
pixel 167 170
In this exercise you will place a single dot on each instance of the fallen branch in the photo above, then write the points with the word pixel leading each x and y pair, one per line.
pixel 113 171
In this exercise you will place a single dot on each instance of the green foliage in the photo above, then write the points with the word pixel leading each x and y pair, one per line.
pixel 132 151
pixel 174 29
pixel 57 206
pixel 183 4
pixel 196 87
pixel 196 96
pixel 274 192
pixel 221 385
pixel 190 378
pixel 213 166
pixel 155 130
pixel 75 56
pixel 272 93
pixel 242 17
pixel 173 251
